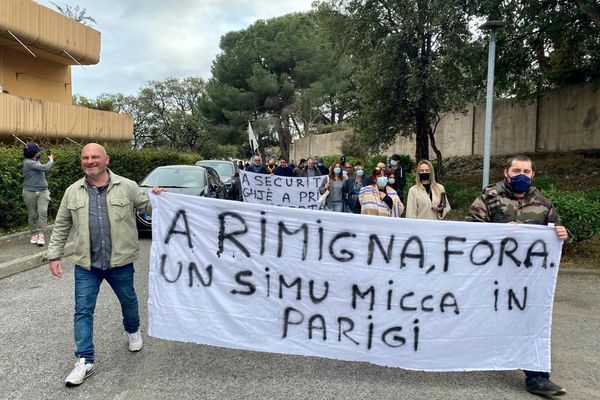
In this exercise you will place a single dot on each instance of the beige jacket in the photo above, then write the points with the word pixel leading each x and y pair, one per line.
pixel 419 206
pixel 123 199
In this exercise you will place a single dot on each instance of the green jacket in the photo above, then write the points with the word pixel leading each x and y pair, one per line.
pixel 123 199
pixel 497 203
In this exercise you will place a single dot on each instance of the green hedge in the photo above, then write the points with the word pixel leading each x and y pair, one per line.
pixel 578 211
pixel 133 164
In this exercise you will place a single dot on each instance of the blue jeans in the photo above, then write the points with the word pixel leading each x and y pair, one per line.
pixel 336 206
pixel 87 286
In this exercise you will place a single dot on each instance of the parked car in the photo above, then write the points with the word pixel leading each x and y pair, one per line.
pixel 185 179
pixel 229 174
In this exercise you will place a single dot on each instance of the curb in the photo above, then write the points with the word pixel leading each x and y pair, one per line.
pixel 22 264
pixel 28 262
pixel 21 235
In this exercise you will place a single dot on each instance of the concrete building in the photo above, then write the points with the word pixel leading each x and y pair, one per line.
pixel 38 46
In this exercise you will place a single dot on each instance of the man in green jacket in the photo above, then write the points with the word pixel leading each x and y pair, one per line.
pixel 99 209
pixel 514 201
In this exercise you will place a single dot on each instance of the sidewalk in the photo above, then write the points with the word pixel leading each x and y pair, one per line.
pixel 18 255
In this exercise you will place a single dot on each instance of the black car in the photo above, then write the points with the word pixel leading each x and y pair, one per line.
pixel 229 174
pixel 185 179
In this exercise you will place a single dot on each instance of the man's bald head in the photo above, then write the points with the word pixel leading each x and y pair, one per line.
pixel 94 162
pixel 94 147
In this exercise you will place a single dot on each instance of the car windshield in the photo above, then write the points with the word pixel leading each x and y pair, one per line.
pixel 224 169
pixel 175 178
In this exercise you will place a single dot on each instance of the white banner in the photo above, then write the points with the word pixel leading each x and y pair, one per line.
pixel 415 294
pixel 281 190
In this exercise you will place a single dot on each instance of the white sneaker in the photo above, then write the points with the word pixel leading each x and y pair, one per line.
pixel 34 238
pixel 40 240
pixel 79 373
pixel 135 340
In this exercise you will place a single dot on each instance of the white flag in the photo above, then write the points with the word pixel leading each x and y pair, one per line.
pixel 252 139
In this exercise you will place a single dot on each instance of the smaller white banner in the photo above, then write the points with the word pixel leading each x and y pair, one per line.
pixel 287 191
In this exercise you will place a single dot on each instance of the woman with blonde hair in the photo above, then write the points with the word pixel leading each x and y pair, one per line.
pixel 426 199
pixel 378 198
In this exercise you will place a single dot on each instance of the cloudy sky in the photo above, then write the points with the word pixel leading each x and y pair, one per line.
pixel 145 40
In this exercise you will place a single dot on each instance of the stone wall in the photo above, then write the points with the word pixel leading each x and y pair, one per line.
pixel 562 120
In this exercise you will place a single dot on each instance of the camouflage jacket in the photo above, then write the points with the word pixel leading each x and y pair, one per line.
pixel 497 203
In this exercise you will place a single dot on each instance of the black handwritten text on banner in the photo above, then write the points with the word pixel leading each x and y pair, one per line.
pixel 416 294
pixel 281 190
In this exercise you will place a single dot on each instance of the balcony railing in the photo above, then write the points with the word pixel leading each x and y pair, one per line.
pixel 39 27
pixel 33 118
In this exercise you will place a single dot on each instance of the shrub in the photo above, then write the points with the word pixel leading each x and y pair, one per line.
pixel 544 182
pixel 133 164
pixel 12 208
pixel 579 211
pixel 460 198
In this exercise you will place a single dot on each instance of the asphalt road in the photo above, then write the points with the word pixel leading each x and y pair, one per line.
pixel 36 354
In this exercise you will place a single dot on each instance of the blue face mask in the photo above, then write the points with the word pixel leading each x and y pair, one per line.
pixel 337 170
pixel 520 183
pixel 360 172
pixel 37 156
pixel 382 181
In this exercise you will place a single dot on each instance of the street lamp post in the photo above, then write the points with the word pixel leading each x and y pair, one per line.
pixel 491 26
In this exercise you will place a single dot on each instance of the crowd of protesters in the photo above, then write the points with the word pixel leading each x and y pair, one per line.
pixel 105 249
pixel 347 187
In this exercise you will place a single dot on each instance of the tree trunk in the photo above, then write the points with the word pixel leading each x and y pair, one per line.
pixel 284 135
pixel 422 137
pixel 439 167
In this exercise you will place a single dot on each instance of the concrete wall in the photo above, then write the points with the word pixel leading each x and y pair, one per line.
pixel 318 145
pixel 513 127
pixel 33 118
pixel 569 119
pixel 48 33
pixel 453 134
pixel 24 76
pixel 563 120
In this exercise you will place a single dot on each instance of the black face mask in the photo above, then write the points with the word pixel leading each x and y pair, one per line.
pixel 424 176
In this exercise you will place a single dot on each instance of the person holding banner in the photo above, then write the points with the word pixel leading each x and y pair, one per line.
pixel 271 165
pixel 257 166
pixel 283 169
pixel 514 201
pixel 334 183
pixel 99 210
pixel 310 170
pixel 298 170
pixel 426 199
pixel 378 198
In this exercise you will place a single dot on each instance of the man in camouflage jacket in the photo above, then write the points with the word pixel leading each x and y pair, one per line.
pixel 514 201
